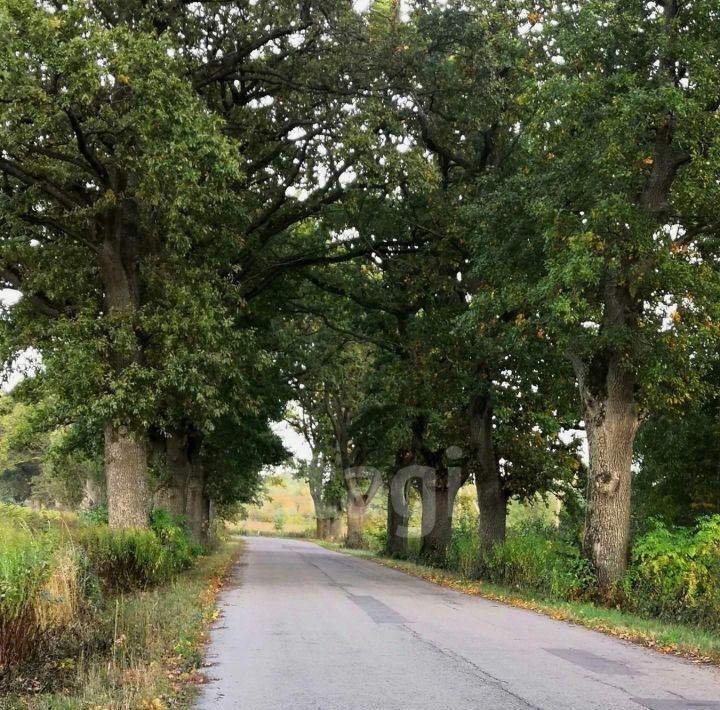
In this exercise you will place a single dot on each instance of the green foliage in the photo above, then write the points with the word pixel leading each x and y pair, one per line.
pixel 675 574
pixel 534 558
pixel 462 555
pixel 137 559
pixel 279 520
pixel 175 538
pixel 125 559
pixel 96 515
pixel 678 480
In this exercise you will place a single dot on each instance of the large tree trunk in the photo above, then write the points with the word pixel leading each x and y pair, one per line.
pixel 172 495
pixel 398 516
pixel 326 512
pixel 491 496
pixel 358 502
pixel 197 507
pixel 439 491
pixel 328 523
pixel 436 524
pixel 125 453
pixel 334 528
pixel 355 522
pixel 611 422
pixel 126 472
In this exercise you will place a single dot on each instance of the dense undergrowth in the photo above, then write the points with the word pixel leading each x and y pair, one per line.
pixel 85 610
pixel 673 575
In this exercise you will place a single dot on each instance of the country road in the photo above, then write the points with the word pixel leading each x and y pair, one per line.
pixel 304 628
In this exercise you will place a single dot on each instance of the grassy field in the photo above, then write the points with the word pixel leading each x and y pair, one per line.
pixel 286 508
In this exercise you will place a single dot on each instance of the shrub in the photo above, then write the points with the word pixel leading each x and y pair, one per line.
pixel 96 515
pixel 675 574
pixel 25 565
pixel 462 555
pixel 135 558
pixel 279 520
pixel 534 558
pixel 175 537
pixel 126 559
pixel 375 538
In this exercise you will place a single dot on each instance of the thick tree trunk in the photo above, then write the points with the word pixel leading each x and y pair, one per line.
pixel 611 424
pixel 328 523
pixel 611 421
pixel 355 522
pixel 126 472
pixel 436 526
pixel 327 510
pixel 328 529
pixel 398 517
pixel 357 504
pixel 125 453
pixel 172 496
pixel 439 491
pixel 197 507
pixel 491 496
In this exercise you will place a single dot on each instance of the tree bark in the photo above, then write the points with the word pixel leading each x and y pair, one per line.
pixel 439 491
pixel 491 495
pixel 357 503
pixel 328 523
pixel 355 523
pixel 198 505
pixel 126 472
pixel 611 421
pixel 172 496
pixel 125 453
pixel 398 517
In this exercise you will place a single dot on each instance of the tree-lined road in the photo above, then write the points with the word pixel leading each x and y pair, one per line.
pixel 306 628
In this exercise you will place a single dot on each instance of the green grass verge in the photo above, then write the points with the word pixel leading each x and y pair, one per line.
pixel 156 642
pixel 678 639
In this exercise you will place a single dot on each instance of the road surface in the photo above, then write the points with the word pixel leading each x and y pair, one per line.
pixel 304 628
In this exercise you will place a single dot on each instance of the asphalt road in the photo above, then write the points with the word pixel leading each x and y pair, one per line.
pixel 304 628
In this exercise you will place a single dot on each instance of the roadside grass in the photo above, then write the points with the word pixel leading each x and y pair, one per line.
pixel 679 639
pixel 155 646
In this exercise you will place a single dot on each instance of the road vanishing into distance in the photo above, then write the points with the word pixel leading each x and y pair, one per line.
pixel 305 628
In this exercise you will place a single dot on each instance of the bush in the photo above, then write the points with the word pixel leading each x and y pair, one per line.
pixel 135 558
pixel 462 555
pixel 374 538
pixel 175 537
pixel 25 565
pixel 675 574
pixel 534 558
pixel 279 520
pixel 96 515
pixel 126 559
